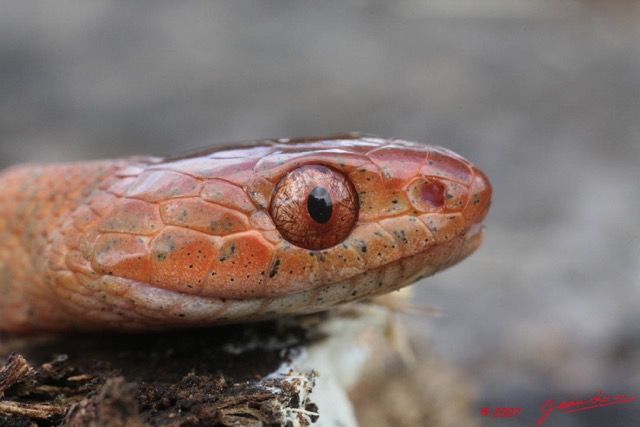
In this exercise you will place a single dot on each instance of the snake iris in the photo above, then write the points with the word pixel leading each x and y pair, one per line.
pixel 253 232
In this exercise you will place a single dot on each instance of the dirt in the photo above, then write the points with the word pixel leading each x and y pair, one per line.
pixel 208 377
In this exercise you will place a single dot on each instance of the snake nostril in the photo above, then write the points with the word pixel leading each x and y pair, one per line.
pixel 433 193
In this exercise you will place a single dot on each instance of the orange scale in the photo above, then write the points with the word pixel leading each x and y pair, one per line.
pixel 260 191
pixel 397 164
pixel 444 227
pixel 180 259
pixel 102 201
pixel 203 216
pixel 132 216
pixel 410 234
pixel 292 269
pixel 226 194
pixel 446 164
pixel 376 246
pixel 157 185
pixel 479 199
pixel 72 236
pixel 122 255
pixel 455 196
pixel 88 283
pixel 340 262
pixel 262 221
pixel 121 186
pixel 114 289
pixel 83 218
pixel 77 263
pixel 239 267
pixel 273 236
pixel 236 170
pixel 396 203
pixel 370 189
pixel 87 241
pixel 448 253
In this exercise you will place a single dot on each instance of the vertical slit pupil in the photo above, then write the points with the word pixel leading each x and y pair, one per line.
pixel 320 205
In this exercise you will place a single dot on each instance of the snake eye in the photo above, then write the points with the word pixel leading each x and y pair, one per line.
pixel 314 207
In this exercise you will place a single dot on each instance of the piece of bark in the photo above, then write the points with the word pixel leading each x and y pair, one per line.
pixel 211 377
pixel 13 371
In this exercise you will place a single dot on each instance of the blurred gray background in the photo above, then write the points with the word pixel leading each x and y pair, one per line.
pixel 544 95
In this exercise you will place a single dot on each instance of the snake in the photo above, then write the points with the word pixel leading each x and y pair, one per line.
pixel 247 232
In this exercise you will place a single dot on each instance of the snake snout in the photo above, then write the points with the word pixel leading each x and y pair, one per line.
pixel 479 198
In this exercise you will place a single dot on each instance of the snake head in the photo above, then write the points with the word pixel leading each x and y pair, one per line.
pixel 272 227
